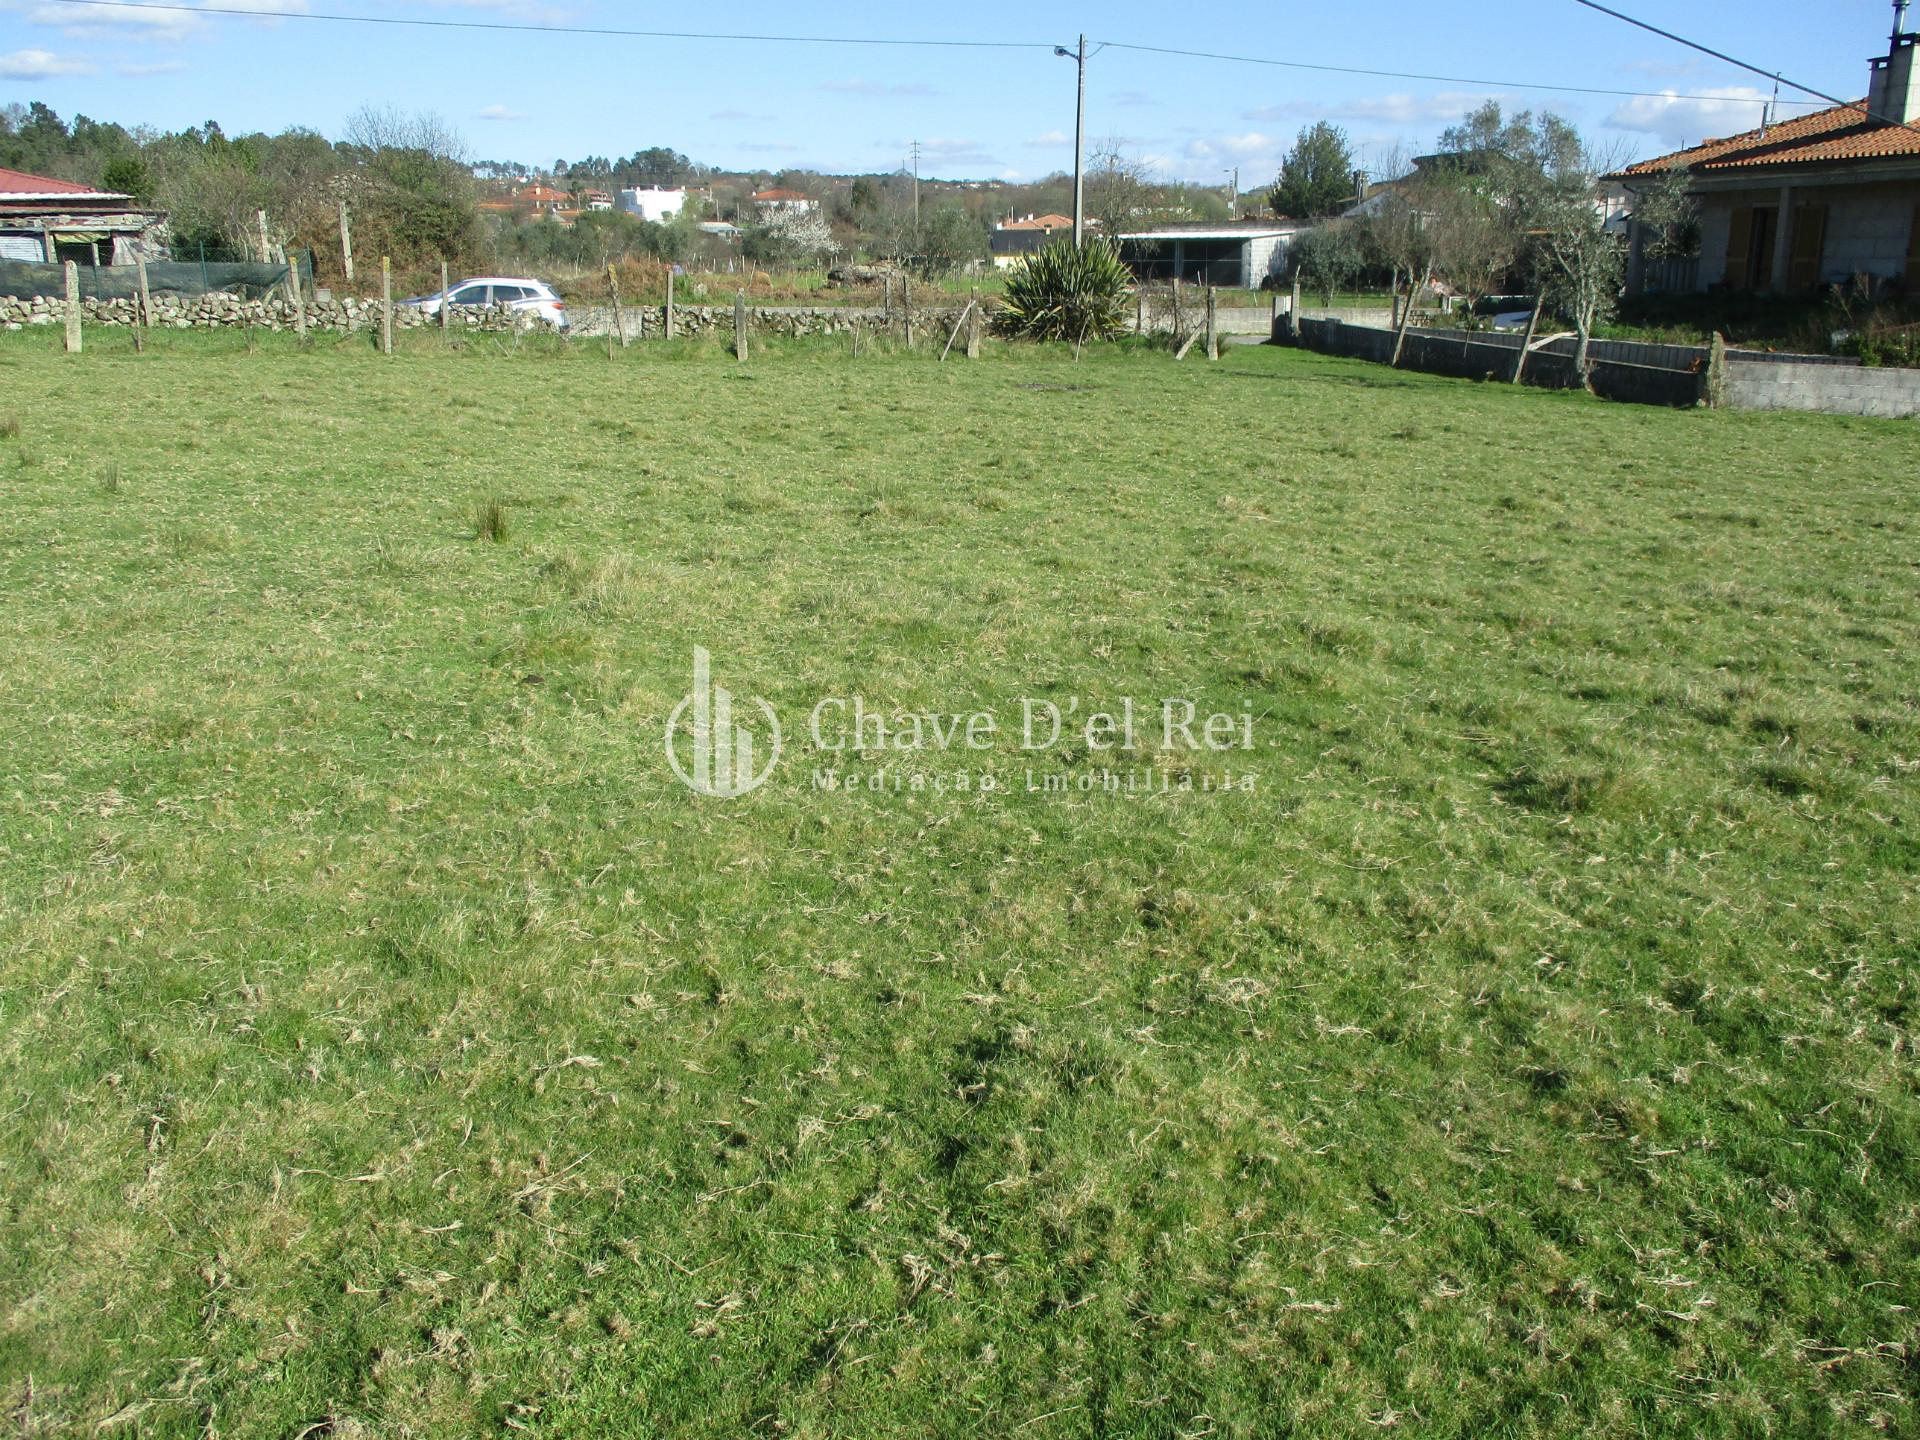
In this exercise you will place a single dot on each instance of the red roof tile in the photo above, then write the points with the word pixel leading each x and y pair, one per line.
pixel 18 182
pixel 1839 134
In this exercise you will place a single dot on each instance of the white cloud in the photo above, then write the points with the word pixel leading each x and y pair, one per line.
pixel 500 112
pixel 149 20
pixel 135 21
pixel 1049 140
pixel 42 65
pixel 1684 119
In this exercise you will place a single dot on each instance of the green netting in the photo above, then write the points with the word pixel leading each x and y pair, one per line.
pixel 23 279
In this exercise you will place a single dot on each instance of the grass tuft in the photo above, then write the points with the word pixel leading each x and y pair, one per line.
pixel 490 520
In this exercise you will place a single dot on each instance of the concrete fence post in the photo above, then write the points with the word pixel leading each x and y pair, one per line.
pixel 73 308
pixel 740 325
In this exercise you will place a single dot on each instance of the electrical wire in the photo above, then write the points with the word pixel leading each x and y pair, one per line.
pixel 1739 64
pixel 1434 79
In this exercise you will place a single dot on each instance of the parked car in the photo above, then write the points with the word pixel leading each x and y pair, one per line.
pixel 516 292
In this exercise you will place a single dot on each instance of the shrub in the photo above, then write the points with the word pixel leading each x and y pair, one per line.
pixel 1061 293
pixel 1893 345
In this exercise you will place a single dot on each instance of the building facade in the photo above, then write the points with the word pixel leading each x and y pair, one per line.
pixel 1831 198
pixel 48 220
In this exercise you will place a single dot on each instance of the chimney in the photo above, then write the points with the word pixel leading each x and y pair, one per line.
pixel 1893 98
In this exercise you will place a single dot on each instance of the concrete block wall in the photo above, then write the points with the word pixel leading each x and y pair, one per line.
pixel 1672 375
pixel 1829 389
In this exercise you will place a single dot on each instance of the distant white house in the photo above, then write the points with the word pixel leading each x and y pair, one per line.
pixel 653 203
pixel 769 203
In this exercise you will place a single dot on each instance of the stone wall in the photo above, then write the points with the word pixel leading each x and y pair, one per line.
pixel 219 310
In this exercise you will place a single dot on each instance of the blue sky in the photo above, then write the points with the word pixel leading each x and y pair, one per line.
pixel 975 112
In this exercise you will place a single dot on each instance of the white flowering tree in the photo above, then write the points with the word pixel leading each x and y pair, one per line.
pixel 792 237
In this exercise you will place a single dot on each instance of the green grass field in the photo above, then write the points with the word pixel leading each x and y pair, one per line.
pixel 392 1046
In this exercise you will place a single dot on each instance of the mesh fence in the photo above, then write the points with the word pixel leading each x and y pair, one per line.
pixel 24 279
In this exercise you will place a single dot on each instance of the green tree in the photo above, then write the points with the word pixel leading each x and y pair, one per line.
pixel 1316 178
pixel 949 238
pixel 1328 258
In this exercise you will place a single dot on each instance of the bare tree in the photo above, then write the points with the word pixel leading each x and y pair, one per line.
pixel 1119 188
pixel 1473 238
pixel 387 127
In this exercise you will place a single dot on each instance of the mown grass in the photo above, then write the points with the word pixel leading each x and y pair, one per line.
pixel 392 1046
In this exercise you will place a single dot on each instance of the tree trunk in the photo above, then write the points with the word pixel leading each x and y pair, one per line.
pixel 1526 344
pixel 1406 316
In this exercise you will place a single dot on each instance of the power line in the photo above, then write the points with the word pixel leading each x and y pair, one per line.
pixel 1435 79
pixel 1772 75
pixel 522 27
pixel 526 27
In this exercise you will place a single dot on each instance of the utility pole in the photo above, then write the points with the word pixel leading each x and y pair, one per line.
pixel 1079 57
pixel 914 151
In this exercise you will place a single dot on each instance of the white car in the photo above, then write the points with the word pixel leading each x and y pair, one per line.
pixel 516 292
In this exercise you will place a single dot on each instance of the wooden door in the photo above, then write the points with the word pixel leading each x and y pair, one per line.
pixel 1809 245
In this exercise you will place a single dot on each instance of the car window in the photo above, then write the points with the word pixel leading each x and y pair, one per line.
pixel 506 294
pixel 469 295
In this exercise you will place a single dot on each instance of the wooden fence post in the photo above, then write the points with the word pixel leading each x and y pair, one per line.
pixel 446 317
pixel 73 308
pixel 740 325
pixel 1179 317
pixel 669 325
pixel 386 305
pixel 906 306
pixel 143 300
pixel 619 325
pixel 1213 323
pixel 346 243
pixel 299 298
pixel 973 327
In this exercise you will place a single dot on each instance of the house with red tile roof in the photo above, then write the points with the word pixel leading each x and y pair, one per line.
pixel 1809 202
pixel 44 219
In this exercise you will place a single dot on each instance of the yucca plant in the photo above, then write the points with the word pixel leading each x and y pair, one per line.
pixel 1063 293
